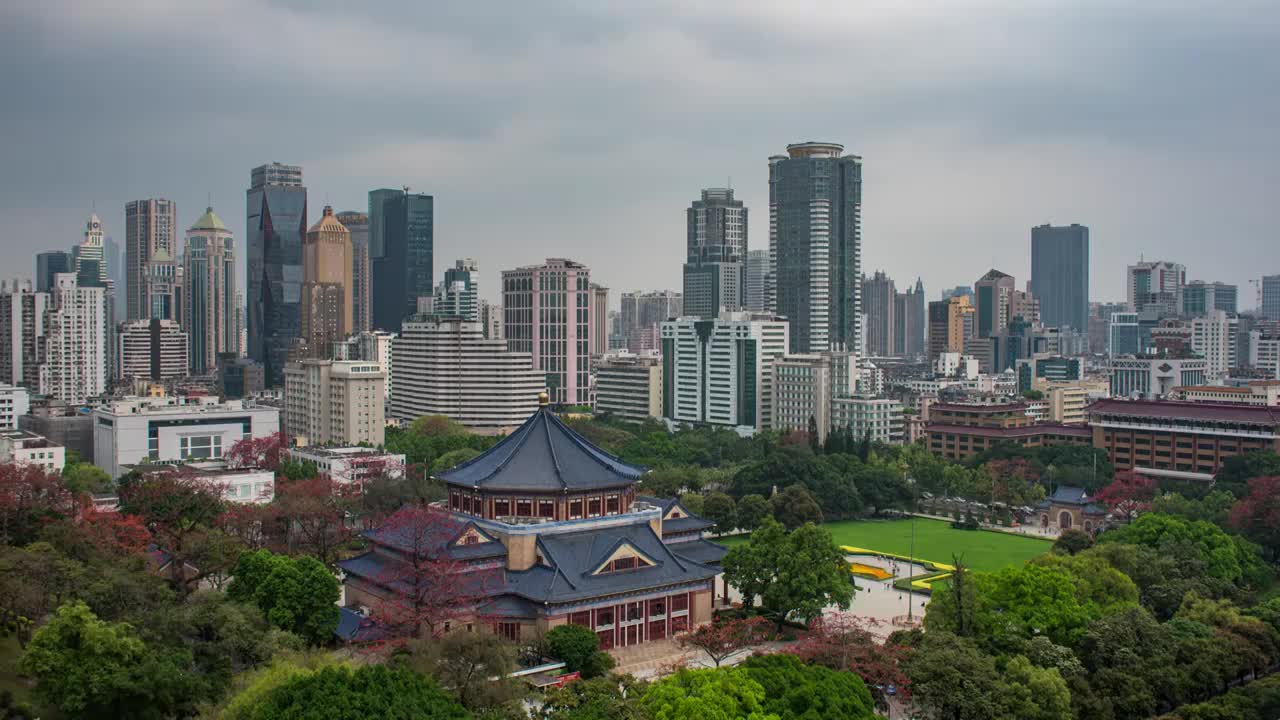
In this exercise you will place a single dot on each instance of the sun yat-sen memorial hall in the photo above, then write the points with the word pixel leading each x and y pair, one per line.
pixel 558 524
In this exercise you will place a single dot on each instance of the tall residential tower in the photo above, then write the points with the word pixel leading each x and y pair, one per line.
pixel 150 234
pixel 209 281
pixel 716 251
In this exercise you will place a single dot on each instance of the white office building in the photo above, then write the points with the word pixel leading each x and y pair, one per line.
pixel 1152 377
pixel 335 401
pixel 1213 336
pixel 154 349
pixel 351 464
pixel 445 366
pixel 719 371
pixel 629 387
pixel 803 386
pixel 27 448
pixel 1264 353
pixel 881 419
pixel 177 429
pixel 15 402
pixel 372 346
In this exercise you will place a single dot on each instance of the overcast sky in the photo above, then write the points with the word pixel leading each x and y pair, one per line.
pixel 584 129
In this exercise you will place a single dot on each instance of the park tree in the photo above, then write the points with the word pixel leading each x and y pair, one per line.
pixel 86 478
pixel 752 510
pixel 1219 553
pixel 794 507
pixel 434 588
pixel 266 453
pixel 1100 588
pixel 845 642
pixel 90 668
pixel 812 432
pixel 883 486
pixel 951 678
pixel 1072 541
pixel 1012 480
pixel 692 502
pixel 725 636
pixel 313 513
pixel 702 694
pixel 453 458
pixel 1257 514
pixel 1035 693
pixel 796 691
pixel 474 666
pixel 339 691
pixel 1013 605
pixel 1129 495
pixel 603 698
pixel 298 595
pixel 793 574
pixel 579 648
pixel 182 512
pixel 719 509
pixel 1236 471
pixel 29 497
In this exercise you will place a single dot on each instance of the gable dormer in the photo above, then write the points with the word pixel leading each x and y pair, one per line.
pixel 472 535
pixel 623 557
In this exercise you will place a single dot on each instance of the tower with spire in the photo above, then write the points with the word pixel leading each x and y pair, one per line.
pixel 209 290
pixel 88 258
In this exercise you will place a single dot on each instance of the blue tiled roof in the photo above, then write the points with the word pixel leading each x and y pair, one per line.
pixel 543 455
pixel 508 606
pixel 1067 495
pixel 408 538
pixel 702 551
pixel 685 524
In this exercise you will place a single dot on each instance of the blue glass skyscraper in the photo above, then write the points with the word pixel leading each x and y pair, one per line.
pixel 1060 274
pixel 403 270
pixel 276 204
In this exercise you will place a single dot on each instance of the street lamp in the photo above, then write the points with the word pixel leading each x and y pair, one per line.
pixel 911 557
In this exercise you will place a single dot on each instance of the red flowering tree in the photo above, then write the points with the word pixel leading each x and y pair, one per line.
pixel 1012 480
pixel 843 642
pixel 183 511
pixel 724 637
pixel 264 452
pixel 30 497
pixel 313 513
pixel 427 584
pixel 1128 496
pixel 256 525
pixel 1257 514
pixel 112 533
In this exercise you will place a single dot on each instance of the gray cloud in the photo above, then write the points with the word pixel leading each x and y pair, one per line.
pixel 583 129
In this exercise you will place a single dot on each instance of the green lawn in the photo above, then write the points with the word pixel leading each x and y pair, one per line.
pixel 936 540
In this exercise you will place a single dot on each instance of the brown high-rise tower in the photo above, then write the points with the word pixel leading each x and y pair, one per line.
pixel 327 312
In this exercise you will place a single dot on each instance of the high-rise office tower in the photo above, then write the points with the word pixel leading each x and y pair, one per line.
pixel 599 320
pixel 22 332
pixel 163 286
pixel 815 245
pixel 89 258
pixel 914 322
pixel 1269 297
pixel 276 209
pixel 1155 284
pixel 641 313
pixel 880 303
pixel 994 306
pixel 49 264
pixel 949 323
pixel 458 295
pixel 756 269
pixel 1213 337
pixel 1203 298
pixel 114 257
pixel 150 236
pixel 716 249
pixel 326 285
pixel 73 364
pixel 401 247
pixel 1060 274
pixel 209 284
pixel 357 223
pixel 491 320
pixel 547 312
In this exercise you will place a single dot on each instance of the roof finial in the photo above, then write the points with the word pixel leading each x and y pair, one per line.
pixel 543 399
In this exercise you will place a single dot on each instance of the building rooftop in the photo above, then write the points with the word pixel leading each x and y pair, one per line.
pixel 1028 431
pixel 543 455
pixel 26 439
pixel 340 452
pixel 1166 409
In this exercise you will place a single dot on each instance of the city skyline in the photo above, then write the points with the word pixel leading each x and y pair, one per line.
pixel 1125 127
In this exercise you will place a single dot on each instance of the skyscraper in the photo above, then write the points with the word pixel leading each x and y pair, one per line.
pixel 753 290
pixel 880 301
pixel 599 320
pixel 22 332
pixel 403 271
pixel 152 349
pixel 49 264
pixel 1269 297
pixel 89 258
pixel 715 252
pixel 640 315
pixel 948 320
pixel 150 228
pixel 73 366
pixel 357 223
pixel 1060 274
pixel 209 284
pixel 1202 298
pixel 547 312
pixel 1155 284
pixel 994 307
pixel 458 295
pixel 326 285
pixel 910 321
pixel 815 245
pixel 276 209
